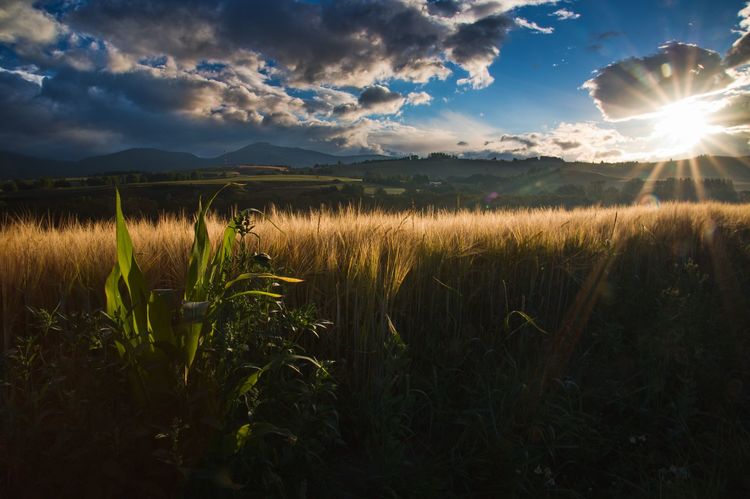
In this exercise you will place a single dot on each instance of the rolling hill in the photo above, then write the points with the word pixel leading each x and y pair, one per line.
pixel 14 165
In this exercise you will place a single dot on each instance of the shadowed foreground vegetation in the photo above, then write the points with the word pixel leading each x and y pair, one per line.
pixel 587 353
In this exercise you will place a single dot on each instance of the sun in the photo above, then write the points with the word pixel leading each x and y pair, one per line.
pixel 683 125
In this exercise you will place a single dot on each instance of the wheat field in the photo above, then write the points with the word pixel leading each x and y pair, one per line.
pixel 456 269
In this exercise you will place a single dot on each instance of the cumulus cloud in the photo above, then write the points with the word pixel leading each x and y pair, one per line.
pixel 376 99
pixel 20 22
pixel 418 98
pixel 565 14
pixel 525 23
pixel 572 141
pixel 116 73
pixel 474 46
pixel 642 85
pixel 739 53
pixel 342 43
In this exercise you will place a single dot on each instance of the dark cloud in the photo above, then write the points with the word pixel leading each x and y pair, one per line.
pixel 613 153
pixel 525 141
pixel 376 99
pixel 443 8
pixel 606 35
pixel 462 143
pixel 377 94
pixel 638 86
pixel 598 39
pixel 479 40
pixel 567 145
pixel 735 111
pixel 339 42
pixel 739 53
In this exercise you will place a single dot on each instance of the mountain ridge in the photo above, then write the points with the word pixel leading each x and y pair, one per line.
pixel 16 165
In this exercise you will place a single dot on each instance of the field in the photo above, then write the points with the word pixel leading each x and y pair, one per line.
pixel 599 352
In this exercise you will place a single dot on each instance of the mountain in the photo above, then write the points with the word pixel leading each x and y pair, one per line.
pixel 14 165
pixel 263 153
pixel 143 160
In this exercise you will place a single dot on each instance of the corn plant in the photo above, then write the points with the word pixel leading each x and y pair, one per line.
pixel 157 330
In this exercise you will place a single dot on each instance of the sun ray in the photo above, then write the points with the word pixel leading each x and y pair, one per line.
pixel 648 184
pixel 697 179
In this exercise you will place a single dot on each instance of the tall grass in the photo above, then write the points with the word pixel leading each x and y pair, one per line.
pixel 462 269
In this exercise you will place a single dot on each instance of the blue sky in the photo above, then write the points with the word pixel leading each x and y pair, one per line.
pixel 593 80
pixel 538 77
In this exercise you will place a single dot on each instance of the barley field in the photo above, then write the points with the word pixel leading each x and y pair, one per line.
pixel 360 266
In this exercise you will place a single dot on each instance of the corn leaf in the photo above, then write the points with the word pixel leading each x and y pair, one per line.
pixel 131 272
pixel 252 275
pixel 254 293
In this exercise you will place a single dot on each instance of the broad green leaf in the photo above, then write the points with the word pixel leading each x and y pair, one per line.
pixel 112 291
pixel 250 382
pixel 254 293
pixel 191 340
pixel 252 275
pixel 131 272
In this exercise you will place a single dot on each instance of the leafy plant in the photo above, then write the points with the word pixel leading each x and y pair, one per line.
pixel 158 331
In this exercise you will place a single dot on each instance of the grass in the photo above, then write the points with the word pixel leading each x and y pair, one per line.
pixel 593 352
pixel 430 255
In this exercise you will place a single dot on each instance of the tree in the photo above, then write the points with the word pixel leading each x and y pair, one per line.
pixel 631 190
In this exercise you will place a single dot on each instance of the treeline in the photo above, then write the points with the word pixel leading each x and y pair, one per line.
pixel 671 189
pixel 109 179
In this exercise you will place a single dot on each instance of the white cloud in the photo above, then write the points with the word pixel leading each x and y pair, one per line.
pixel 525 23
pixel 418 98
pixel 565 14
pixel 21 22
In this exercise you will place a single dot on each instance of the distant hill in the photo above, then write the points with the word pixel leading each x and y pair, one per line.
pixel 263 153
pixel 14 165
pixel 530 176
pixel 443 168
pixel 145 160
pixel 546 174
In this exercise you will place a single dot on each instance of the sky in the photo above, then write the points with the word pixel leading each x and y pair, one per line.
pixel 590 80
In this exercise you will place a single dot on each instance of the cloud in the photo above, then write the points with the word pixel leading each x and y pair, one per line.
pixel 598 40
pixel 376 99
pixel 342 43
pixel 739 53
pixel 21 23
pixel 565 14
pixel 607 35
pixel 418 98
pixel 378 95
pixel 443 8
pixel 209 76
pixel 566 145
pixel 638 86
pixel 527 141
pixel 474 46
pixel 525 23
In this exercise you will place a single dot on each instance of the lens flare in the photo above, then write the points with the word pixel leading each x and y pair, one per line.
pixel 683 125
